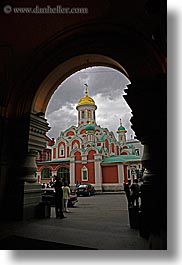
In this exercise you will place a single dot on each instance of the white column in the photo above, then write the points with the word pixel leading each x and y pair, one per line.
pixel 72 172
pixel 86 114
pixel 120 174
pixel 98 173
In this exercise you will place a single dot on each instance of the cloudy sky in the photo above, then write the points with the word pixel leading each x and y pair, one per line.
pixel 105 85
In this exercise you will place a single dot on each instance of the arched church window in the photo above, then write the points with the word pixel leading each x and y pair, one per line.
pixel 84 174
pixel 137 152
pixel 64 174
pixel 47 156
pixel 83 114
pixel 46 173
pixel 61 150
pixel 75 146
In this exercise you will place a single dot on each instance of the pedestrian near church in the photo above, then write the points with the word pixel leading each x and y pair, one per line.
pixel 66 195
pixel 127 192
pixel 58 198
pixel 135 192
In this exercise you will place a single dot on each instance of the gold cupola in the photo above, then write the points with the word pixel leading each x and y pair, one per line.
pixel 86 109
pixel 86 100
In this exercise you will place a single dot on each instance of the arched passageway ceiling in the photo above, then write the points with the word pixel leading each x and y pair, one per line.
pixel 137 55
pixel 64 70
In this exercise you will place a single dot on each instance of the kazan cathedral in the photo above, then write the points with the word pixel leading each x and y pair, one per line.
pixel 88 153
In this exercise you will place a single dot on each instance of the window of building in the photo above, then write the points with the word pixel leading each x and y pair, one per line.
pixel 46 173
pixel 83 114
pixel 64 174
pixel 61 150
pixel 47 156
pixel 137 152
pixel 75 145
pixel 84 174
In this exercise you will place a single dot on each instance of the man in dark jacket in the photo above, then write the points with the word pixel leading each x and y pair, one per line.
pixel 58 198
pixel 135 191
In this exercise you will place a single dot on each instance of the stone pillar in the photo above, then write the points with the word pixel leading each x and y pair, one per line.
pixel 29 167
pixel 154 195
pixel 147 99
pixel 32 189
pixel 12 152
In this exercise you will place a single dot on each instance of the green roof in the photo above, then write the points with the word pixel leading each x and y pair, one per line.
pixel 121 128
pixel 63 160
pixel 90 127
pixel 98 148
pixel 130 145
pixel 121 158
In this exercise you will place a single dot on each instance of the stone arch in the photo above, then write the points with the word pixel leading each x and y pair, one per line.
pixel 107 49
pixel 64 70
pixel 91 44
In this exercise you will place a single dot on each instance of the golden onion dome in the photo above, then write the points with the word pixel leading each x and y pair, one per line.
pixel 86 100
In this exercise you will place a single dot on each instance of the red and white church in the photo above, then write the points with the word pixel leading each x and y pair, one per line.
pixel 88 153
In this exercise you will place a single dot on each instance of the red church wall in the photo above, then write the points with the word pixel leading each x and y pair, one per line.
pixel 50 142
pixel 126 173
pixel 91 154
pixel 91 173
pixel 70 133
pixel 107 144
pixel 82 131
pixel 90 167
pixel 110 174
pixel 117 148
pixel 112 147
pixel 78 167
pixel 124 153
pixel 77 156
pixel 78 173
pixel 68 151
pixel 54 153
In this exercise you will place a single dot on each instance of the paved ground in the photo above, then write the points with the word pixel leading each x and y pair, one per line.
pixel 97 222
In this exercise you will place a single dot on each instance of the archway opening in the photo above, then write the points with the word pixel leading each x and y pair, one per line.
pixel 64 70
pixel 96 72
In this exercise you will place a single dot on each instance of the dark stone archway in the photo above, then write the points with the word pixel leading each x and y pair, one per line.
pixel 134 43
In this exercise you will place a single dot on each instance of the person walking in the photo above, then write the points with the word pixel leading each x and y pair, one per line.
pixel 127 192
pixel 66 195
pixel 58 198
pixel 135 191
